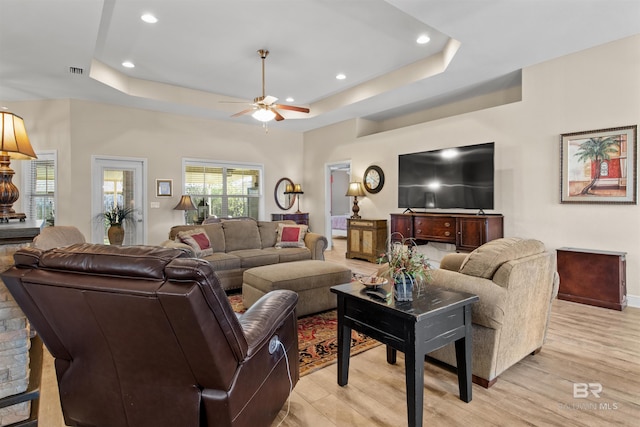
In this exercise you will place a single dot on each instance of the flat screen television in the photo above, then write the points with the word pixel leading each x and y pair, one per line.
pixel 460 177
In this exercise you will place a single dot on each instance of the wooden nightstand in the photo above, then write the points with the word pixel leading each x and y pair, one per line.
pixel 366 238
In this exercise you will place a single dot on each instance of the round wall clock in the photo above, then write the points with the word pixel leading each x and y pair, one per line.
pixel 373 179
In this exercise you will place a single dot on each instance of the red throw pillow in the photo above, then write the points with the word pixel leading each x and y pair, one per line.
pixel 198 240
pixel 291 236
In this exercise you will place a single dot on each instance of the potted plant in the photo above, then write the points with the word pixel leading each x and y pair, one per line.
pixel 115 217
pixel 406 266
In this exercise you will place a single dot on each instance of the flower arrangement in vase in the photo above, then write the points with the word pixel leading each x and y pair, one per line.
pixel 407 267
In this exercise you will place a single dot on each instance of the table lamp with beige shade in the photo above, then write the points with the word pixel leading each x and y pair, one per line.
pixel 14 144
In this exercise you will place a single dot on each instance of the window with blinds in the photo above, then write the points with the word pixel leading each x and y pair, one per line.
pixel 223 190
pixel 40 188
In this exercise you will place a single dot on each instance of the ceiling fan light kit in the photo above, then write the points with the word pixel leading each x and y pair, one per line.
pixel 263 115
pixel 264 108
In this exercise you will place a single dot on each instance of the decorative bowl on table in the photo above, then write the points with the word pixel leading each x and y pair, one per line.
pixel 373 281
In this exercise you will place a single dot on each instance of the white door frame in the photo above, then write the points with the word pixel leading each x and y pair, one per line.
pixel 96 196
pixel 327 198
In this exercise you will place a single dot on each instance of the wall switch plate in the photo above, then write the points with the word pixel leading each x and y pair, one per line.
pixel 155 205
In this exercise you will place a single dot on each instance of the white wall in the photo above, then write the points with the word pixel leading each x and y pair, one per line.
pixel 593 89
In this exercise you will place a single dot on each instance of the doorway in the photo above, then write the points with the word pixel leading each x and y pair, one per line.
pixel 118 181
pixel 337 207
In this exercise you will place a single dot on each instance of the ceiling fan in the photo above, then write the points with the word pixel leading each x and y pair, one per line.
pixel 264 107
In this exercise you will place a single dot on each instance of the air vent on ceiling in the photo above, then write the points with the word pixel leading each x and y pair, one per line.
pixel 76 70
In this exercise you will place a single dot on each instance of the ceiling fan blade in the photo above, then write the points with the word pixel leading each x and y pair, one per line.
pixel 279 116
pixel 291 107
pixel 247 111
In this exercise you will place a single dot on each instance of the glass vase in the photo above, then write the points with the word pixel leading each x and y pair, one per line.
pixel 403 287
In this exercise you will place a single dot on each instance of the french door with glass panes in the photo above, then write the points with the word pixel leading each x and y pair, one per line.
pixel 119 182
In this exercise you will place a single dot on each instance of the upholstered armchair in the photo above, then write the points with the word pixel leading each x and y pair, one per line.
pixel 143 336
pixel 58 236
pixel 516 281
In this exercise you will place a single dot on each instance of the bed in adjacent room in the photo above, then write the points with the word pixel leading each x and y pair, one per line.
pixel 339 225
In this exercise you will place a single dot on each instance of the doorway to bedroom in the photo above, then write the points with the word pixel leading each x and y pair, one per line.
pixel 337 203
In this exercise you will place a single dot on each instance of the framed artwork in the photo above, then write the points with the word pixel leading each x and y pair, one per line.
pixel 164 187
pixel 599 166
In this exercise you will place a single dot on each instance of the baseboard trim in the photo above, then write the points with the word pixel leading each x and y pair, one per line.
pixel 633 301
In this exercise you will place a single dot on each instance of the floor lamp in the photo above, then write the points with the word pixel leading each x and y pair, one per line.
pixel 14 144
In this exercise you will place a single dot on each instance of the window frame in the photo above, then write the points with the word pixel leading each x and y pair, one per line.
pixel 26 186
pixel 226 165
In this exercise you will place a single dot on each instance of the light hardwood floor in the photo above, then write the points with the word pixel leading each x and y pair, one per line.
pixel 584 345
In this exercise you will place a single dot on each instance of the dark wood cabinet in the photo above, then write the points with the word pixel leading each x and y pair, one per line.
pixel 366 238
pixel 435 228
pixel 593 277
pixel 299 218
pixel 474 232
pixel 466 231
pixel 401 224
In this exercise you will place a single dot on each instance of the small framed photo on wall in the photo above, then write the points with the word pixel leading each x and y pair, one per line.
pixel 164 187
pixel 599 166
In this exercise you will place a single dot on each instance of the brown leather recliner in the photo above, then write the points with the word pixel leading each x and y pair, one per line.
pixel 143 336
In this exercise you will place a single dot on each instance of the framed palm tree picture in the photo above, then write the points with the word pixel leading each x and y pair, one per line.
pixel 599 166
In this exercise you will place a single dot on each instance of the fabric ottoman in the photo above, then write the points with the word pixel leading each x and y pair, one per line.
pixel 311 279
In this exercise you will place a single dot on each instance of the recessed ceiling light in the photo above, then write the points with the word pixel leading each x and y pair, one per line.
pixel 149 18
pixel 289 99
pixel 128 64
pixel 341 76
pixel 423 39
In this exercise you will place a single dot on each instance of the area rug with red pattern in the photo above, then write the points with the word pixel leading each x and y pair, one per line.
pixel 318 338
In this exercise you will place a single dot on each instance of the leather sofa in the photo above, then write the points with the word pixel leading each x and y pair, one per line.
pixel 242 244
pixel 144 336
pixel 516 281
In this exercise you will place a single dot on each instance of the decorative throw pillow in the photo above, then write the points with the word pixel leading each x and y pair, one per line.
pixel 291 236
pixel 198 240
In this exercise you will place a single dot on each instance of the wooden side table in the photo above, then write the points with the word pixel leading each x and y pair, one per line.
pixel 593 277
pixel 366 238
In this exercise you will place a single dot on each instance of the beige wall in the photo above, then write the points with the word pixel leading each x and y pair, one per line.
pixel 79 130
pixel 594 89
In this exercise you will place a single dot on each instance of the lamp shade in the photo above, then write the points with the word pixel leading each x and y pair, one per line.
pixel 14 144
pixel 297 189
pixel 13 137
pixel 185 204
pixel 355 189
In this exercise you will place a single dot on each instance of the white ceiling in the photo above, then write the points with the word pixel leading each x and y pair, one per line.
pixel 203 52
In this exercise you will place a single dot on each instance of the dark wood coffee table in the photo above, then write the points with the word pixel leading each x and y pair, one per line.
pixel 432 320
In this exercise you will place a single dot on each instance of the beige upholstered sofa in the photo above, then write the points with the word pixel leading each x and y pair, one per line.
pixel 516 281
pixel 242 244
